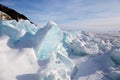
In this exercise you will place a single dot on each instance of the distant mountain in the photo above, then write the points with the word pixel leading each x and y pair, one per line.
pixel 4 16
pixel 11 14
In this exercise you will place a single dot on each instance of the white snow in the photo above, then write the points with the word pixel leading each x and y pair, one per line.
pixel 15 62
pixel 115 56
pixel 49 53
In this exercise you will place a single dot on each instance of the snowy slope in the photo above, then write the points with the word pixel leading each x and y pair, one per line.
pixel 49 53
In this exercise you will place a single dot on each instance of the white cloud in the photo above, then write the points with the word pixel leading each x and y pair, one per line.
pixel 75 13
pixel 101 24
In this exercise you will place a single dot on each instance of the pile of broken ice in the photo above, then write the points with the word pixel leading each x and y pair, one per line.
pixel 62 55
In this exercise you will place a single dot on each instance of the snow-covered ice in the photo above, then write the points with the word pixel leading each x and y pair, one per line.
pixel 28 52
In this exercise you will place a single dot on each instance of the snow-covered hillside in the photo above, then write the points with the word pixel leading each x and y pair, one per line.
pixel 28 52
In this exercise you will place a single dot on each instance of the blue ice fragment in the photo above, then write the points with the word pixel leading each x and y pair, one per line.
pixel 51 39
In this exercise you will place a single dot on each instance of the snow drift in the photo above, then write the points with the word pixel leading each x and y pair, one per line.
pixel 28 52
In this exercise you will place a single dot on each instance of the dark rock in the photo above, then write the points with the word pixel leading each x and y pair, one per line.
pixel 12 13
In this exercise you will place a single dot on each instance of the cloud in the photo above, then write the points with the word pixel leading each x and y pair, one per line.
pixel 96 25
pixel 69 12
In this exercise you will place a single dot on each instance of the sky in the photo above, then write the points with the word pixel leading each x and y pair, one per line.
pixel 89 15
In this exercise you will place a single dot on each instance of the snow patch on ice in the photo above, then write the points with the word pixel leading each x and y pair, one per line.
pixel 49 53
